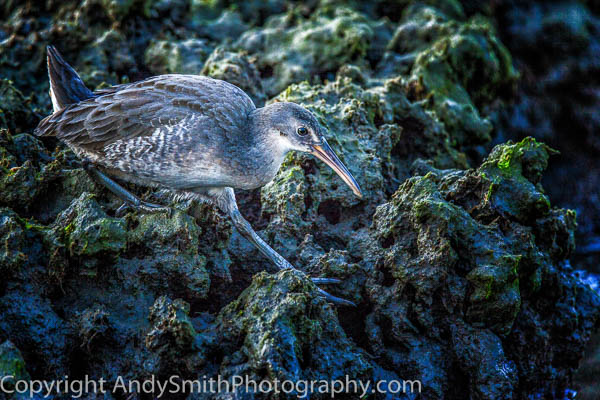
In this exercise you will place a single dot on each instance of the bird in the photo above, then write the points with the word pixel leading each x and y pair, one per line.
pixel 192 135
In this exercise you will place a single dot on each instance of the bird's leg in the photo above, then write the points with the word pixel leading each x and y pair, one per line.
pixel 129 199
pixel 227 203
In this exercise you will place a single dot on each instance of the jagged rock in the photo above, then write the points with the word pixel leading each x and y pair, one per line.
pixel 15 112
pixel 12 364
pixel 238 69
pixel 459 264
pixel 88 233
pixel 181 57
pixel 93 326
pixel 106 61
pixel 173 337
pixel 12 239
pixel 319 44
pixel 31 324
pixel 165 251
pixel 458 68
pixel 280 329
pixel 444 246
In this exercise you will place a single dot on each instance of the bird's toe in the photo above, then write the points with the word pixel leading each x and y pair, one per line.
pixel 122 210
pixel 334 299
pixel 154 208
pixel 325 281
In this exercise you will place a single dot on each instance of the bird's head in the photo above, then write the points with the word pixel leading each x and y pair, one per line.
pixel 293 127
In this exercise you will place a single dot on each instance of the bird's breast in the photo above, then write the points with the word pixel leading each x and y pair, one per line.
pixel 257 173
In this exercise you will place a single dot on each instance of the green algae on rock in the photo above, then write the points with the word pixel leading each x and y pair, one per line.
pixel 170 253
pixel 238 69
pixel 461 275
pixel 172 337
pixel 15 112
pixel 280 329
pixel 180 57
pixel 321 43
pixel 443 240
pixel 88 232
pixel 11 362
pixel 12 237
pixel 461 67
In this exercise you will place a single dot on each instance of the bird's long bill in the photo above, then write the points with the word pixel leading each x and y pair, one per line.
pixel 325 154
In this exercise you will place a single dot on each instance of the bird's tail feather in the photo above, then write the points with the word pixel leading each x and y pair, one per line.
pixel 66 87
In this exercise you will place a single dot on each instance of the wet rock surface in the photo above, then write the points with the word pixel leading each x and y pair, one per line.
pixel 463 268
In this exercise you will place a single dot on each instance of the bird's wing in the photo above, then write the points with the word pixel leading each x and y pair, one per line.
pixel 138 109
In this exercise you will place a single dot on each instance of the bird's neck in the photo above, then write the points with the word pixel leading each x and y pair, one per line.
pixel 268 148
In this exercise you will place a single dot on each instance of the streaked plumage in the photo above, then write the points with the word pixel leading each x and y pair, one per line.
pixel 180 131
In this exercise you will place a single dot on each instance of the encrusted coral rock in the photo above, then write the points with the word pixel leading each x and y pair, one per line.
pixel 12 238
pixel 464 274
pixel 321 43
pixel 24 174
pixel 238 69
pixel 15 114
pixel 171 325
pixel 457 67
pixel 32 325
pixel 181 57
pixel 88 232
pixel 448 264
pixel 173 337
pixel 93 326
pixel 166 253
pixel 280 329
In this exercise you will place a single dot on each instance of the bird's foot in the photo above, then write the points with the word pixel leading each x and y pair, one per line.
pixel 334 299
pixel 330 297
pixel 322 293
pixel 325 281
pixel 143 207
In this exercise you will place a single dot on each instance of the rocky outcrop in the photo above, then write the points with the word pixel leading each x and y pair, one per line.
pixel 461 265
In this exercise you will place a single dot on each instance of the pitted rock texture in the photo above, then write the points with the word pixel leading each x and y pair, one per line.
pixel 463 268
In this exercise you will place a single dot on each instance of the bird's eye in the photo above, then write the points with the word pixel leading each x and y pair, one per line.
pixel 302 131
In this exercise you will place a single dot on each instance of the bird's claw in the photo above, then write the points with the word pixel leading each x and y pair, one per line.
pixel 325 281
pixel 330 297
pixel 334 299
pixel 144 207
pixel 154 208
pixel 121 210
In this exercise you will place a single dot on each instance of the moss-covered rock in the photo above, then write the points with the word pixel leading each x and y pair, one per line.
pixel 458 68
pixel 443 246
pixel 26 171
pixel 88 232
pixel 172 336
pixel 280 329
pixel 107 60
pixel 238 69
pixel 12 363
pixel 181 57
pixel 12 242
pixel 15 112
pixel 459 266
pixel 315 45
pixel 165 249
